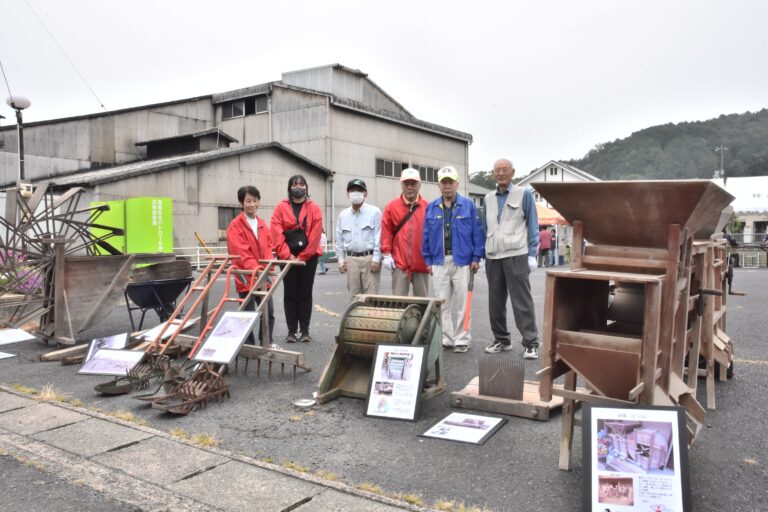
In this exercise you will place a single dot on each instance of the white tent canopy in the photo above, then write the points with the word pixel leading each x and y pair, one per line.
pixel 751 193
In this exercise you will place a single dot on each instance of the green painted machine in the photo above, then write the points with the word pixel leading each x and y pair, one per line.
pixel 382 320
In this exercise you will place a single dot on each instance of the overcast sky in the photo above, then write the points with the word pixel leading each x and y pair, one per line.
pixel 531 81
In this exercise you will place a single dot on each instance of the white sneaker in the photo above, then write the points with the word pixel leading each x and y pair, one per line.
pixel 531 353
pixel 497 347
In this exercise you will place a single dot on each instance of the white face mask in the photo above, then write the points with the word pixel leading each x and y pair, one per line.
pixel 356 197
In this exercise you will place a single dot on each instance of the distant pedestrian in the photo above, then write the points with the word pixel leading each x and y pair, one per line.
pixel 512 239
pixel 249 238
pixel 545 244
pixel 401 234
pixel 453 245
pixel 358 242
pixel 323 257
pixel 297 225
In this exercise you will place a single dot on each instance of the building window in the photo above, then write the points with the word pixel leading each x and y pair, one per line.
pixel 244 107
pixel 227 215
pixel 394 169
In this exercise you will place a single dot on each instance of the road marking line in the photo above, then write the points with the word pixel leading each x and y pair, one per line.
pixel 759 362
pixel 321 309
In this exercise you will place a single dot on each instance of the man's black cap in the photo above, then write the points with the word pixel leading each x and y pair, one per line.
pixel 357 182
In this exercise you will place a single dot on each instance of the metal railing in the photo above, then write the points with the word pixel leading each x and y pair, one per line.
pixel 199 256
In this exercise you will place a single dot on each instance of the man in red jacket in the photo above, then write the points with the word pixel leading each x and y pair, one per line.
pixel 401 228
pixel 248 237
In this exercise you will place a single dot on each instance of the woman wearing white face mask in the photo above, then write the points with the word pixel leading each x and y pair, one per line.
pixel 358 241
pixel 296 226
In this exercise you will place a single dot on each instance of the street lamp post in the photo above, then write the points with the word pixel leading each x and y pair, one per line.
pixel 19 103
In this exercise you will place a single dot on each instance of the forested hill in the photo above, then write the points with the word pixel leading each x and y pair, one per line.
pixel 684 150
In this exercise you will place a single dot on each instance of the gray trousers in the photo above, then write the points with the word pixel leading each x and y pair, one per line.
pixel 360 279
pixel 401 284
pixel 509 276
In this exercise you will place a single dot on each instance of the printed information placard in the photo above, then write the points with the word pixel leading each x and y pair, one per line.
pixel 635 459
pixel 223 344
pixel 465 428
pixel 396 381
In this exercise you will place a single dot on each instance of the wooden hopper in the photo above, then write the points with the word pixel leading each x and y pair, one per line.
pixel 628 346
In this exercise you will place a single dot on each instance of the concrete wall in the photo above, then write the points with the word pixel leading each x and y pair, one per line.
pixel 198 191
pixel 358 140
pixel 64 146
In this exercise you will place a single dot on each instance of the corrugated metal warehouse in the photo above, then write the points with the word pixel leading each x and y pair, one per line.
pixel 330 123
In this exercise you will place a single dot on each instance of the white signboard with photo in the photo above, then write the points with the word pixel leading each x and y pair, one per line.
pixel 465 428
pixel 635 459
pixel 8 336
pixel 396 381
pixel 108 361
pixel 223 344
pixel 117 341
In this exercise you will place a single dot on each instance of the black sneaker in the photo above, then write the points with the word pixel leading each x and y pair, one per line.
pixel 305 338
pixel 291 338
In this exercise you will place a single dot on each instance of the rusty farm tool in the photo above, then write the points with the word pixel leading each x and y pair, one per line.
pixel 207 380
pixel 156 360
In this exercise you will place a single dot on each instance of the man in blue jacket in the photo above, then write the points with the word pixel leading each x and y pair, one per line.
pixel 452 245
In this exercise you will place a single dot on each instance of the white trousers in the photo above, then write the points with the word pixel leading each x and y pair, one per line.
pixel 450 284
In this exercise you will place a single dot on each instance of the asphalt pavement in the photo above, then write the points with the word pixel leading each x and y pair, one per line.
pixel 516 469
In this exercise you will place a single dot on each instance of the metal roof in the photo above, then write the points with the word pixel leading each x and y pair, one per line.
pixel 475 189
pixel 254 90
pixel 120 172
pixel 394 117
pixel 194 135
pixel 570 168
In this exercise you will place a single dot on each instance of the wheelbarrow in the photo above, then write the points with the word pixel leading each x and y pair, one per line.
pixel 159 295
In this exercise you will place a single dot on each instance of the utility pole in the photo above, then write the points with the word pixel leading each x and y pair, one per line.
pixel 721 149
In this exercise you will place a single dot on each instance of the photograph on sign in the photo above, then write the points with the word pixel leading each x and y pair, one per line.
pixel 396 380
pixel 223 344
pixel 108 361
pixel 636 458
pixel 117 341
pixel 8 336
pixel 465 428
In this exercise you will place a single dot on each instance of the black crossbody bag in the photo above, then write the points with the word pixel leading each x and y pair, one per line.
pixel 296 239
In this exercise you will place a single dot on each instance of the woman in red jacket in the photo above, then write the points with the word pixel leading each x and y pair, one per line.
pixel 248 236
pixel 297 225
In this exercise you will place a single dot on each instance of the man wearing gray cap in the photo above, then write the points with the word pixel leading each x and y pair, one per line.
pixel 358 242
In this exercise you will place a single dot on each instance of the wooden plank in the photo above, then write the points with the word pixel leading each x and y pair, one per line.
pixel 650 341
pixel 621 251
pixel 607 275
pixel 566 423
pixel 599 340
pixel 614 261
pixel 590 397
pixel 103 306
pixel 528 407
pixel 548 350
pixel 668 307
pixel 58 355
pixel 578 242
